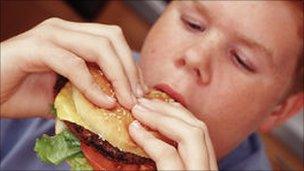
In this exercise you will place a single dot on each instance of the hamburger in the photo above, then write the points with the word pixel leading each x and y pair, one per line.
pixel 92 138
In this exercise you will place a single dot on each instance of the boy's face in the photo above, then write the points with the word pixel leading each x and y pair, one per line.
pixel 231 62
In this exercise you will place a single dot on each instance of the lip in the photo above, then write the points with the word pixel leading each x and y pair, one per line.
pixel 172 93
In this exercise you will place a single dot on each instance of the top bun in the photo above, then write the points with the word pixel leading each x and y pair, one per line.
pixel 110 124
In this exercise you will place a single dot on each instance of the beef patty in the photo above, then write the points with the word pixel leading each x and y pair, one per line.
pixel 105 148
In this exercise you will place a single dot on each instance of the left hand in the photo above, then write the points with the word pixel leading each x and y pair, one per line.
pixel 194 151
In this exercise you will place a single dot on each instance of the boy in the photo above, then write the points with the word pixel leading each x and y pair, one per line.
pixel 233 65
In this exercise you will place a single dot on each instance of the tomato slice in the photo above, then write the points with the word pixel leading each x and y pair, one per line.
pixel 99 162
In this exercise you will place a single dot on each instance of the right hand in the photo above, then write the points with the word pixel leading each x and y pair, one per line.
pixel 29 62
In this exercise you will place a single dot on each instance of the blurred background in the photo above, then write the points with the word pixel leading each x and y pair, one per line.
pixel 284 145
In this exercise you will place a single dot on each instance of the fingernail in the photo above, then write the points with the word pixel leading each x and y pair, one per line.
pixel 131 102
pixel 146 88
pixel 146 103
pixel 111 99
pixel 139 90
pixel 135 124
pixel 143 100
pixel 101 96
pixel 139 108
pixel 108 98
pixel 176 104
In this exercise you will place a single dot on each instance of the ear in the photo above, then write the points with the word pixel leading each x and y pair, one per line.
pixel 291 106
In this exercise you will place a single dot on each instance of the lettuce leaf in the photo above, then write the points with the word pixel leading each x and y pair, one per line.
pixel 61 147
pixel 55 149
pixel 78 162
pixel 53 110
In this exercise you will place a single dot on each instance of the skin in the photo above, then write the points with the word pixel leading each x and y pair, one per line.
pixel 231 100
pixel 230 85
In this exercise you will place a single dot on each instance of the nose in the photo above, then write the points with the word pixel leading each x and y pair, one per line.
pixel 197 59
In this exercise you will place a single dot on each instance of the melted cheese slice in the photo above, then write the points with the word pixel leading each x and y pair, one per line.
pixel 112 125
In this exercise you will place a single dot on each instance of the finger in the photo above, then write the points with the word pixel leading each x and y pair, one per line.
pixel 190 139
pixel 178 111
pixel 154 120
pixel 141 80
pixel 164 155
pixel 72 67
pixel 171 109
pixel 115 35
pixel 211 153
pixel 97 49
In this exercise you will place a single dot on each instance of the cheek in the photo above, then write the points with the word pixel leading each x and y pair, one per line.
pixel 231 111
pixel 233 105
pixel 161 47
pixel 160 43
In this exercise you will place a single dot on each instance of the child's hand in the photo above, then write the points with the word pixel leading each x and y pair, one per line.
pixel 29 62
pixel 195 150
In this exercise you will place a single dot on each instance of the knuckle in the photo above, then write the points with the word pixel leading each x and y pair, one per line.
pixel 102 42
pixel 167 151
pixel 43 31
pixel 78 63
pixel 170 150
pixel 46 27
pixel 198 132
pixel 74 68
pixel 202 125
pixel 116 29
pixel 84 90
pixel 99 46
pixel 52 20
pixel 36 42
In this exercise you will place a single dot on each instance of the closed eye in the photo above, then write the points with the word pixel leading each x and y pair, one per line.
pixel 193 25
pixel 239 61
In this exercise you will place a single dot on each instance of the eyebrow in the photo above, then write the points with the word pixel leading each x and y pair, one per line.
pixel 242 38
pixel 201 9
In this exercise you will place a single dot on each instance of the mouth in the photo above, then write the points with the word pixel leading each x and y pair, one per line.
pixel 172 93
